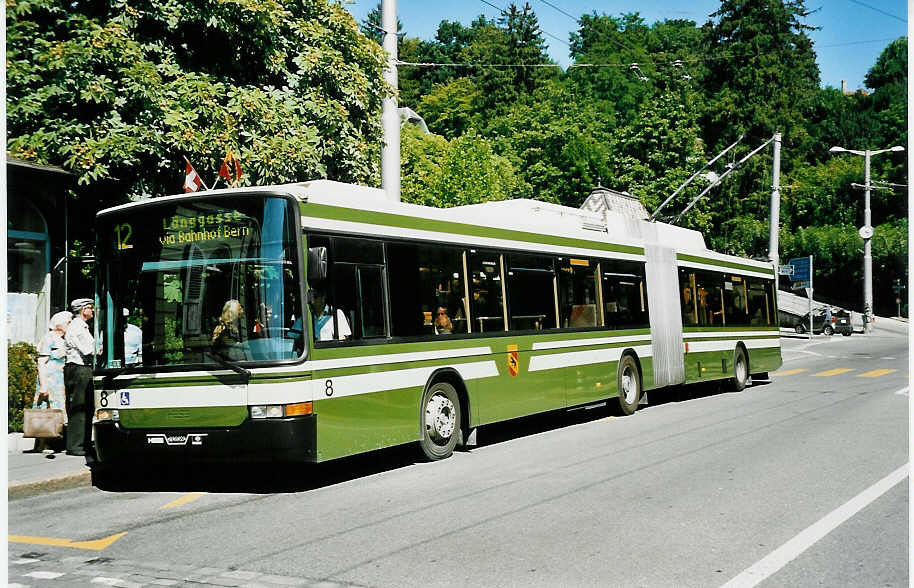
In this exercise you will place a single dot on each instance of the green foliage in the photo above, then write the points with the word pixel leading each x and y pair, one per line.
pixel 559 147
pixel 453 108
pixel 123 90
pixel 21 378
pixel 658 152
pixel 463 171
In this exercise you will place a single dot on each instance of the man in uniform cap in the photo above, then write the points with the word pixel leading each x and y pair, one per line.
pixel 77 376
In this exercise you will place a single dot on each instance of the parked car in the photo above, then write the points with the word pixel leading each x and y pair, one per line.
pixel 840 323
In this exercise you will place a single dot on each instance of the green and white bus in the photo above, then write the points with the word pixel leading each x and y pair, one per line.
pixel 312 321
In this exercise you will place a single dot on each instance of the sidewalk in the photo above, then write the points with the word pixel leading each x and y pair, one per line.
pixel 30 472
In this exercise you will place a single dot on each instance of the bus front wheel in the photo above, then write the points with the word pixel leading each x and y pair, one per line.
pixel 439 421
pixel 740 370
pixel 629 382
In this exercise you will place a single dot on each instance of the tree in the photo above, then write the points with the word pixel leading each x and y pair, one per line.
pixel 558 145
pixel 654 155
pixel 440 173
pixel 765 74
pixel 114 90
pixel 373 26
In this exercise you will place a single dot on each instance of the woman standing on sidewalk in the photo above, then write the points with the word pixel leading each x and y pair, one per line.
pixel 52 355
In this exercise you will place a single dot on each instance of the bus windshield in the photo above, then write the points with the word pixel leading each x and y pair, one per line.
pixel 209 281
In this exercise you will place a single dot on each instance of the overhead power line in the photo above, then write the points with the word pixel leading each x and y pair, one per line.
pixel 880 11
pixel 502 10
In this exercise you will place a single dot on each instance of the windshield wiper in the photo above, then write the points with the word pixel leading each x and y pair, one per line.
pixel 230 365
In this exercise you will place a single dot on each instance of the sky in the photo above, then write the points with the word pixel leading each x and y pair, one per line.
pixel 852 33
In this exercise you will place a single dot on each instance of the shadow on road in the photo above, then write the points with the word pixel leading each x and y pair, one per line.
pixel 272 478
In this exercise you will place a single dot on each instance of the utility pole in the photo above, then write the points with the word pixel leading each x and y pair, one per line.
pixel 866 233
pixel 774 220
pixel 390 153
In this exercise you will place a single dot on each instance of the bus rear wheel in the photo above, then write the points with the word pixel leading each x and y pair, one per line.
pixel 629 383
pixel 439 421
pixel 740 370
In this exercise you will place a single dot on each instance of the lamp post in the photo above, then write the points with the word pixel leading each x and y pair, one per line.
pixel 866 232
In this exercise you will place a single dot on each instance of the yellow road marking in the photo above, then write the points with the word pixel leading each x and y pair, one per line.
pixel 790 372
pixel 834 372
pixel 95 545
pixel 876 373
pixel 183 500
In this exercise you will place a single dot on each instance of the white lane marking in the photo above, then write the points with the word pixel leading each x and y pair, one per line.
pixel 111 581
pixel 43 575
pixel 887 358
pixel 787 552
pixel 902 392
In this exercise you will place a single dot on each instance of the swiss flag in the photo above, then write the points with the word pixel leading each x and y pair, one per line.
pixel 192 181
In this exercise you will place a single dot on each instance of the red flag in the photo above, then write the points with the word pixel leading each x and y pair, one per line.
pixel 192 181
pixel 231 169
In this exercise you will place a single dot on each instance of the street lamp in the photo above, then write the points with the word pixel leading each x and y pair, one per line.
pixel 866 232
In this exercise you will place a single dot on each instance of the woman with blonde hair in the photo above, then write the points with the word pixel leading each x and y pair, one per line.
pixel 228 335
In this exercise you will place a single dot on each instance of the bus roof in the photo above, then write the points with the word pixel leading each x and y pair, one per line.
pixel 609 226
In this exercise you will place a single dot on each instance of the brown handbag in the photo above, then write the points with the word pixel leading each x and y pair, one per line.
pixel 42 423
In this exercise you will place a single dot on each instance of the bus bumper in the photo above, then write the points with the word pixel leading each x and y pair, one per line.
pixel 291 439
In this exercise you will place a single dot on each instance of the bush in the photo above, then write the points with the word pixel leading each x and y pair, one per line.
pixel 23 373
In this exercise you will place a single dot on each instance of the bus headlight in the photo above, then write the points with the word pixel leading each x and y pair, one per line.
pixel 107 414
pixel 270 411
pixel 275 411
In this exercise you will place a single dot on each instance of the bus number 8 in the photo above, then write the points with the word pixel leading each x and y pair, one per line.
pixel 328 387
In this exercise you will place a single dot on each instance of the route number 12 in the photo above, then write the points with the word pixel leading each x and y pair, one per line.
pixel 123 231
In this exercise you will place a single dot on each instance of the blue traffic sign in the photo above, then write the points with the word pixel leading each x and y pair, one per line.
pixel 800 269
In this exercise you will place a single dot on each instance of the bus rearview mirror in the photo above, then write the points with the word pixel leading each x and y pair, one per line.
pixel 317 264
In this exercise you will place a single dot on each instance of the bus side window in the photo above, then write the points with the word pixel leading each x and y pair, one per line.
pixel 426 290
pixel 710 300
pixel 487 305
pixel 735 300
pixel 531 292
pixel 688 298
pixel 349 303
pixel 759 303
pixel 577 293
pixel 624 294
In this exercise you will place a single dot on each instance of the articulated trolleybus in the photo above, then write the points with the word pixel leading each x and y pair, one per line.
pixel 311 321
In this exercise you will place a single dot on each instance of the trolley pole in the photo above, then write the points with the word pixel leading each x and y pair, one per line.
pixel 774 220
pixel 390 153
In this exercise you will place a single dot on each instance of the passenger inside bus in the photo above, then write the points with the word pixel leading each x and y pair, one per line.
pixel 323 320
pixel 228 338
pixel 443 324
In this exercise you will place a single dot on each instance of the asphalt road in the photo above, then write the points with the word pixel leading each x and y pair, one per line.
pixel 796 482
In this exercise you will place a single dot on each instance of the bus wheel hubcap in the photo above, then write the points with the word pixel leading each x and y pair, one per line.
pixel 741 370
pixel 629 388
pixel 440 418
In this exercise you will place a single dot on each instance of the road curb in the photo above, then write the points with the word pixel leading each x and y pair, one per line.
pixel 27 489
